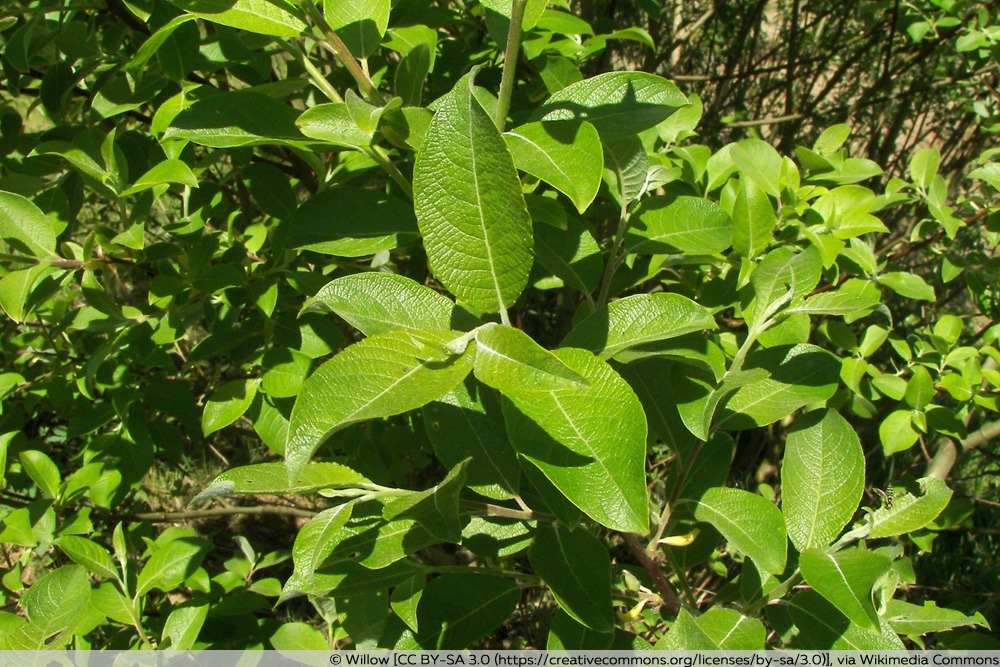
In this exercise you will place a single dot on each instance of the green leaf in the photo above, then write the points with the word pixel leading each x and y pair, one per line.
pixel 170 565
pixel 266 478
pixel 347 221
pixel 467 422
pixel 782 269
pixel 313 543
pixel 577 569
pixel 383 375
pixel 571 254
pixel 405 600
pixel 436 509
pixel 690 225
pixel 616 103
pixel 846 579
pixel 821 626
pixel 508 360
pixel 924 166
pixel 333 124
pixel 237 118
pixel 853 296
pixel 376 302
pixel 753 219
pixel 16 288
pixel 916 620
pixel 299 637
pixel 168 171
pixel 626 167
pixel 459 609
pixel 896 432
pixel 685 635
pixel 637 320
pixel 284 372
pixel 989 172
pixel 408 82
pixel 42 472
pixel 89 554
pixel 360 23
pixel 822 478
pixel 228 404
pixel 750 523
pixel 467 196
pixel 598 464
pixel 54 604
pixel 25 228
pixel 565 154
pixel 732 631
pixel 908 512
pixel 565 634
pixel 265 17
pixel 798 375
pixel 183 626
pixel 758 161
pixel 909 285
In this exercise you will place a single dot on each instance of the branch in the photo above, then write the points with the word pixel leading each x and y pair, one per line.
pixel 949 451
pixel 663 586
pixel 191 515
pixel 766 121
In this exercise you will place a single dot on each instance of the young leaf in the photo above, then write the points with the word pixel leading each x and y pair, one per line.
pixel 228 404
pixel 616 103
pixel 16 288
pixel 691 225
pixel 262 478
pixel 332 124
pixel 626 166
pixel 598 464
pixel 476 227
pixel 565 154
pixel 908 512
pixel 383 375
pixel 822 478
pixel 636 320
pixel 183 626
pixel 753 219
pixel 781 269
pixel 909 285
pixel 576 568
pixel 299 637
pixel 508 360
pixel 25 228
pixel 846 579
pixel 277 18
pixel 853 296
pixel 313 543
pixel 168 171
pixel 758 161
pixel 459 609
pixel 376 302
pixel 750 523
pixel 89 554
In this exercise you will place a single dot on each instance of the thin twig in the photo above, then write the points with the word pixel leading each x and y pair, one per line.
pixel 663 586
pixel 191 515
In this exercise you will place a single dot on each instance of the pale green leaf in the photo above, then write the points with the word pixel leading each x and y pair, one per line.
pixel 380 376
pixel 637 320
pixel 685 635
pixel 626 166
pixel 896 431
pixel 467 196
pixel 915 620
pixel 332 124
pixel 908 512
pixel 25 228
pixel 846 579
pixel 376 302
pixel 170 565
pixel 751 524
pixel 690 225
pixel 89 554
pixel 313 543
pixel 909 285
pixel 16 288
pixel 924 166
pixel 266 478
pixel 168 171
pixel 758 161
pixel 54 604
pixel 782 269
pixel 227 404
pixel 266 17
pixel 284 372
pixel 822 478
pixel 590 442
pixel 183 626
pixel 405 600
pixel 989 172
pixel 821 626
pixel 754 219
pixel 42 471
pixel 853 296
pixel 732 631
pixel 508 360
pixel 298 636
pixel 565 154
pixel 577 569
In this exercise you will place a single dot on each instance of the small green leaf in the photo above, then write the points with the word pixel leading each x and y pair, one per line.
pixel 637 320
pixel 284 372
pixel 265 17
pixel 626 167
pixel 909 285
pixel 16 288
pixel 333 124
pixel 376 302
pixel 846 579
pixel 822 478
pixel 237 118
pixel 266 478
pixel 753 219
pixel 685 635
pixel 853 296
pixel 598 464
pixel 382 375
pixel 908 512
pixel 89 554
pixel 782 269
pixel 25 228
pixel 467 196
pixel 360 23
pixel 228 404
pixel 577 569
pixel 758 161
pixel 565 154
pixel 916 620
pixel 183 626
pixel 732 631
pixel 691 225
pixel 299 637
pixel 616 103
pixel 456 610
pixel 313 543
pixel 168 171
pixel 170 565
pixel 924 166
pixel 508 360
pixel 897 433
pixel 750 523
pixel 405 599
pixel 42 472
pixel 411 73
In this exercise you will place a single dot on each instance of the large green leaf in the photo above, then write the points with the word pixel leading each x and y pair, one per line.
pixel 25 228
pixel 626 167
pixel 456 610
pixel 313 543
pixel 908 512
pixel 383 375
pixel 759 162
pixel 846 579
pixel 616 103
pixel 348 221
pixel 89 554
pixel 590 442
pixel 476 227
pixel 577 569
pixel 266 17
pixel 508 360
pixel 636 320
pixel 753 219
pixel 822 626
pixel 261 478
pixel 170 564
pixel 796 376
pixel 751 524
pixel 375 302
pixel 360 23
pixel 565 154
pixel 183 626
pixel 691 225
pixel 915 620
pixel 237 118
pixel 54 604
pixel 17 287
pixel 822 478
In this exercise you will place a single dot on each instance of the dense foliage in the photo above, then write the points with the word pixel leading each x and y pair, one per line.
pixel 634 325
